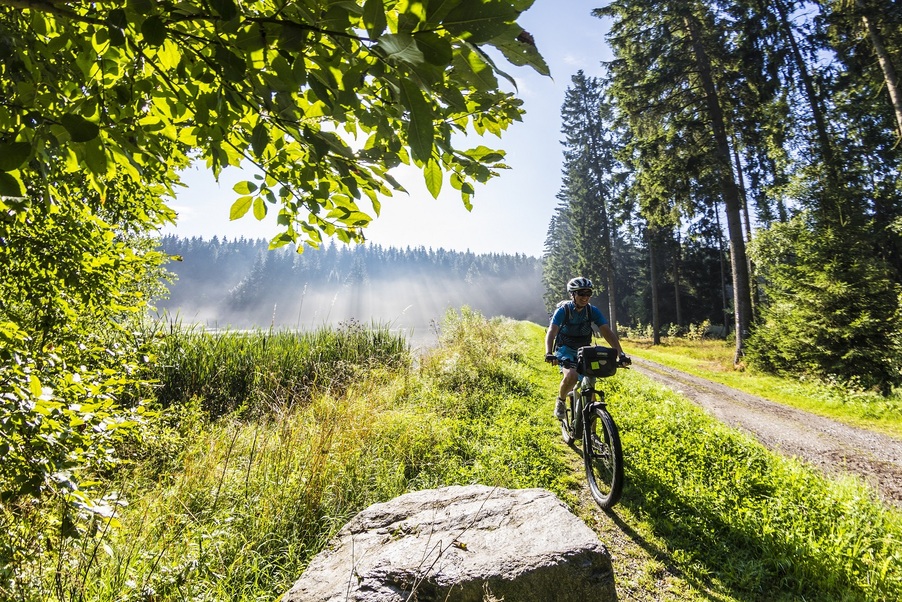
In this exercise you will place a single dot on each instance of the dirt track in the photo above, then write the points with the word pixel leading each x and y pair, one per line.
pixel 830 445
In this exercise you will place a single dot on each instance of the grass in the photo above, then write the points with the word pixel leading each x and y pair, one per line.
pixel 744 521
pixel 713 360
pixel 234 507
pixel 711 514
pixel 238 370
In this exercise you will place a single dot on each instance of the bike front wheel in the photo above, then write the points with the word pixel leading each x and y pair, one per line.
pixel 603 457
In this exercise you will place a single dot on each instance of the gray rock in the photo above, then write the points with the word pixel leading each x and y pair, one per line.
pixel 461 544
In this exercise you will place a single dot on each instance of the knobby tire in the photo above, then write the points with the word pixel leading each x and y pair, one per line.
pixel 603 457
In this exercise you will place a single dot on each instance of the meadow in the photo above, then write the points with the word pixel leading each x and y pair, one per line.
pixel 267 443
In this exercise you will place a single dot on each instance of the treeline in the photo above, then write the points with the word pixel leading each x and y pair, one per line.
pixel 742 160
pixel 243 283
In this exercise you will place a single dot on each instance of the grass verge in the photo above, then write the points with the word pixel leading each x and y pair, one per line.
pixel 713 360
pixel 708 513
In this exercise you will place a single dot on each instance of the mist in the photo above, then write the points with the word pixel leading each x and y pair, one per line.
pixel 242 285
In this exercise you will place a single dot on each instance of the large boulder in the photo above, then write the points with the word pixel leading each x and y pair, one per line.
pixel 462 544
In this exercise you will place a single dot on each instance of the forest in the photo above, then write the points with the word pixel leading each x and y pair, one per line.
pixel 242 283
pixel 742 159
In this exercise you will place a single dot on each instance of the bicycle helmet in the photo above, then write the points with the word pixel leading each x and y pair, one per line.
pixel 579 283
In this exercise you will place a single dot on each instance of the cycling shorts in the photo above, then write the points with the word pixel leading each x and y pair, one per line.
pixel 566 353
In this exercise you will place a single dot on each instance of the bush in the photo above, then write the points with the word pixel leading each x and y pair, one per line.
pixel 675 330
pixel 832 310
pixel 696 332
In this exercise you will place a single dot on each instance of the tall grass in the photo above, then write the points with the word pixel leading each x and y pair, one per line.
pixel 242 505
pixel 234 507
pixel 231 370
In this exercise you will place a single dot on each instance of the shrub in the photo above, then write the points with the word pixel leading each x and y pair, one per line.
pixel 832 308
pixel 697 332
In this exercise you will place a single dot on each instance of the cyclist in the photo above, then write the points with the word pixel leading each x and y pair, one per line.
pixel 571 328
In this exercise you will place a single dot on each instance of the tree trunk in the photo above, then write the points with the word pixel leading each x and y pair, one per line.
pixel 612 307
pixel 753 289
pixel 886 64
pixel 723 274
pixel 653 276
pixel 729 189
pixel 676 283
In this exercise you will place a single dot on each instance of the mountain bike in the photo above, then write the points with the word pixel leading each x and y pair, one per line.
pixel 588 419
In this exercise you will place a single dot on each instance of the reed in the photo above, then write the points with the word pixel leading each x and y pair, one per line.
pixel 254 371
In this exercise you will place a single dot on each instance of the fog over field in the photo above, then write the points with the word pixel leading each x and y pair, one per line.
pixel 242 284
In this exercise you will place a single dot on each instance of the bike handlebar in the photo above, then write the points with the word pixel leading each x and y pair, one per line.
pixel 623 361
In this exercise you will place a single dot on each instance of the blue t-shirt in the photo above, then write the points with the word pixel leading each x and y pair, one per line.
pixel 577 332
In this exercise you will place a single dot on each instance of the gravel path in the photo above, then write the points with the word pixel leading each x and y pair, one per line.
pixel 834 447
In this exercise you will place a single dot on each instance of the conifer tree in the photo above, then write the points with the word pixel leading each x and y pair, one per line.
pixel 667 69
pixel 589 184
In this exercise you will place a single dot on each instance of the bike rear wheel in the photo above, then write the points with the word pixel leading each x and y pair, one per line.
pixel 603 457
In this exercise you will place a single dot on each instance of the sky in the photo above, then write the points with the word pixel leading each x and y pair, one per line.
pixel 510 213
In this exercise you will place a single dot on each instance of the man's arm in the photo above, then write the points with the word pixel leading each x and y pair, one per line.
pixel 611 337
pixel 550 336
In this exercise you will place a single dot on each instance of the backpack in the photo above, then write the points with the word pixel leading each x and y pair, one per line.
pixel 558 341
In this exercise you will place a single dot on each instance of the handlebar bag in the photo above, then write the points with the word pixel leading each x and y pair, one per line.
pixel 596 361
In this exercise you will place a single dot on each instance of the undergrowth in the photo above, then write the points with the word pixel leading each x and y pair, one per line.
pixel 234 506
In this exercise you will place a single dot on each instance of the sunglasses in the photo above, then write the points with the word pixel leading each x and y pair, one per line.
pixel 584 293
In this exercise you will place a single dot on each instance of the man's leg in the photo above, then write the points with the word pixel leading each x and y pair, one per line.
pixel 567 381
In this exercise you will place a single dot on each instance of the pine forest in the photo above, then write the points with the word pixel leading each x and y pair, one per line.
pixel 739 162
pixel 242 284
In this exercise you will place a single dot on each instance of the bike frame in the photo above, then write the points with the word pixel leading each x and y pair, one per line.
pixel 587 407
pixel 588 398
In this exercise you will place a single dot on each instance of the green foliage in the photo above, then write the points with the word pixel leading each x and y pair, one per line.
pixel 134 91
pixel 247 503
pixel 697 332
pixel 583 230
pixel 61 430
pixel 104 103
pixel 71 287
pixel 705 101
pixel 693 332
pixel 832 309
pixel 476 353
